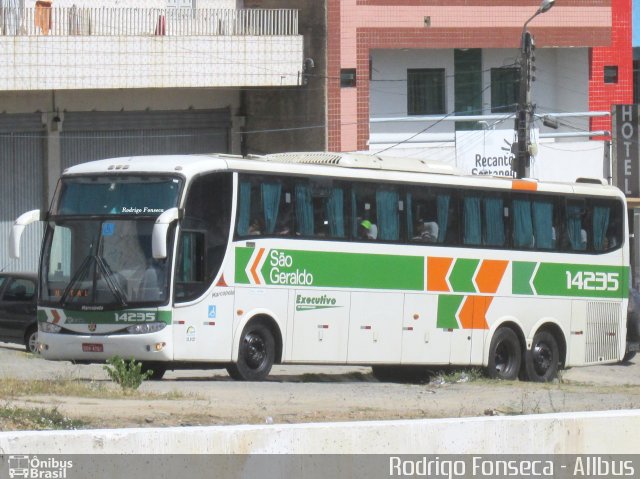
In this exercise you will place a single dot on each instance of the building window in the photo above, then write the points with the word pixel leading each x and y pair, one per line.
pixel 467 80
pixel 425 91
pixel 611 74
pixel 504 89
pixel 348 77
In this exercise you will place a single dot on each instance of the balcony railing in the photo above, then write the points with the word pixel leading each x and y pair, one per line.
pixel 146 21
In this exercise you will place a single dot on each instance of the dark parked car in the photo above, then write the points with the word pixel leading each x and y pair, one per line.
pixel 18 297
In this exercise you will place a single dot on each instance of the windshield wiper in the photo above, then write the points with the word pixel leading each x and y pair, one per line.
pixel 111 280
pixel 74 279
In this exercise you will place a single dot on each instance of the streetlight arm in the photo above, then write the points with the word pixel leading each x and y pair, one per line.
pixel 545 6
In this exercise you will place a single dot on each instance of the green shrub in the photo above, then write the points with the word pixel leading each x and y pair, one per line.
pixel 128 375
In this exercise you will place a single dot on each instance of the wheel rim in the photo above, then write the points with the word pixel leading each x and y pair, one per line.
pixel 33 342
pixel 256 350
pixel 542 358
pixel 503 358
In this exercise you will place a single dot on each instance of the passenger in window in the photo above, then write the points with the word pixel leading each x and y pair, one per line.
pixel 427 231
pixel 284 223
pixel 611 240
pixel 368 230
pixel 255 228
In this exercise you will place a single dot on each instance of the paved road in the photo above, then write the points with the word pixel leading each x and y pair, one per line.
pixel 316 394
pixel 14 363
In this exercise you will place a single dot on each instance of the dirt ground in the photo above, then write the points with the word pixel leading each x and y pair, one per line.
pixel 294 394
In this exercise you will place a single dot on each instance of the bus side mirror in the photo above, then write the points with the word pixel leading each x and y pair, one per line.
pixel 160 229
pixel 17 229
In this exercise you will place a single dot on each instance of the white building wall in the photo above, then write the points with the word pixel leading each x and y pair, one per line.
pixel 97 62
pixel 561 86
pixel 388 91
pixel 149 3
pixel 571 85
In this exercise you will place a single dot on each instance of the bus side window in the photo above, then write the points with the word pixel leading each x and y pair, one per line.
pixel 423 217
pixel 523 236
pixel 319 209
pixel 363 209
pixel 388 213
pixel 264 207
pixel 576 219
pixel 334 212
pixel 190 265
pixel 544 230
pixel 204 234
pixel 472 220
pixel 606 225
pixel 493 228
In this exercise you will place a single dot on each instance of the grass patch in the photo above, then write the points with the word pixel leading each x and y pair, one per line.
pixel 11 388
pixel 14 418
pixel 454 376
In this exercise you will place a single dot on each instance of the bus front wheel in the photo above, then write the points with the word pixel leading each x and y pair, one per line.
pixel 505 355
pixel 256 354
pixel 542 360
pixel 157 372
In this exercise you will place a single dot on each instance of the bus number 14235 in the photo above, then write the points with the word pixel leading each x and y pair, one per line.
pixel 593 281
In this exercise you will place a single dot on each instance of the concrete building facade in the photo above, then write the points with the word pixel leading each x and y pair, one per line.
pixel 85 80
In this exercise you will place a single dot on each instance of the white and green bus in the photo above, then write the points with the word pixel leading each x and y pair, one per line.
pixel 320 258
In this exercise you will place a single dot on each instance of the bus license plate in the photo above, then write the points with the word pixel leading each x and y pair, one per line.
pixel 92 348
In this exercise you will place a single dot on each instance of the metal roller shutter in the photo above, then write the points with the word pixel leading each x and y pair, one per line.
pixel 21 183
pixel 90 136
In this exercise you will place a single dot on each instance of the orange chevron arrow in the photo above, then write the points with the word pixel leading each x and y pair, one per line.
pixel 437 269
pixel 490 274
pixel 254 266
pixel 473 314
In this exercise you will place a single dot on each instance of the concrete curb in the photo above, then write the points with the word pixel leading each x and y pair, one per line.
pixel 604 432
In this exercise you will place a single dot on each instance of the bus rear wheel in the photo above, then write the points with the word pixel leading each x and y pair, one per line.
pixel 505 355
pixel 256 355
pixel 542 360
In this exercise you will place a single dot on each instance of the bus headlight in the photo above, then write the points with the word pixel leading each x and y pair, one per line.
pixel 49 328
pixel 145 328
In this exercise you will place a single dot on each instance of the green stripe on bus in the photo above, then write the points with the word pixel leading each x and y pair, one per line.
pixel 127 316
pixel 521 276
pixel 448 306
pixel 243 255
pixel 338 270
pixel 461 277
pixel 577 280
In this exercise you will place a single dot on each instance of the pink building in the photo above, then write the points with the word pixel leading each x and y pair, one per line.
pixel 584 47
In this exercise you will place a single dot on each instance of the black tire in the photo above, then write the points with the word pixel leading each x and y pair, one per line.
pixel 505 355
pixel 157 372
pixel 542 361
pixel 629 355
pixel 31 340
pixel 256 354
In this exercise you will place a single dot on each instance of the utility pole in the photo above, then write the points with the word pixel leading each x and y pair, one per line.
pixel 524 116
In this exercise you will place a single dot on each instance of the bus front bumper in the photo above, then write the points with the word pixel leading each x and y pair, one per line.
pixel 99 348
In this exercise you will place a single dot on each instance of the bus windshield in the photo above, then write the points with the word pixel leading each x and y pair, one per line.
pixel 122 195
pixel 102 264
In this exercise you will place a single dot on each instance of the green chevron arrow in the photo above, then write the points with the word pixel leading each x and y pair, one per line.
pixel 461 276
